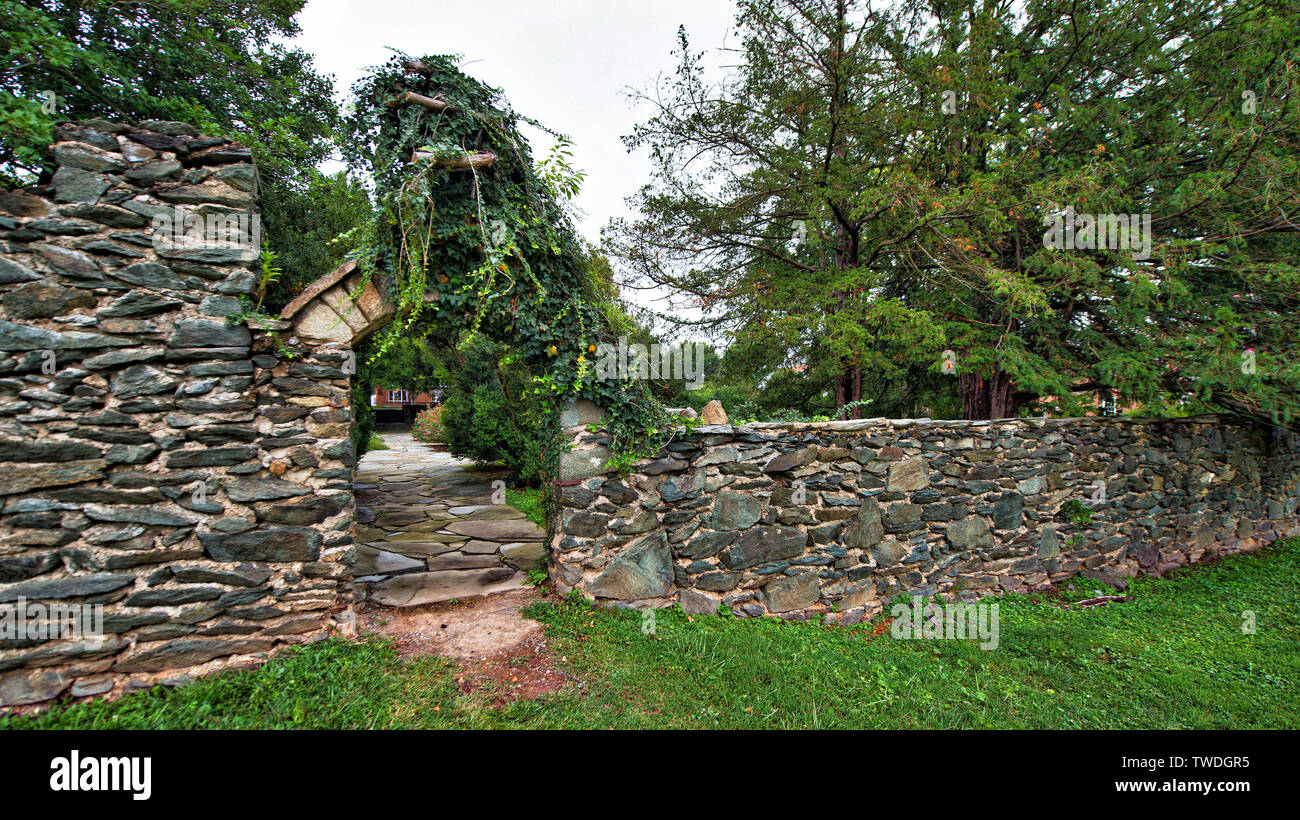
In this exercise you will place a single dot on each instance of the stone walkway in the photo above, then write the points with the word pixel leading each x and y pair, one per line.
pixel 427 529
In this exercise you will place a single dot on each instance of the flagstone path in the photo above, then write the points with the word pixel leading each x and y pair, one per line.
pixel 427 529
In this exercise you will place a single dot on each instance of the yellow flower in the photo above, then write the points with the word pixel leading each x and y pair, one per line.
pixel 552 350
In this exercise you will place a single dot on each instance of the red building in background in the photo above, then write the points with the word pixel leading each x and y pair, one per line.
pixel 399 406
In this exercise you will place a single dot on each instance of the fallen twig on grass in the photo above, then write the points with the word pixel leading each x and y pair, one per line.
pixel 1103 600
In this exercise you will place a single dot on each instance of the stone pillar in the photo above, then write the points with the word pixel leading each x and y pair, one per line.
pixel 180 480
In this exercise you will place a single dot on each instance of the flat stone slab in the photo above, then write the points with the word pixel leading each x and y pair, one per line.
pixel 418 588
pixel 524 554
pixel 371 561
pixel 416 535
pixel 459 560
pixel 501 512
pixel 419 549
pixel 383 518
pixel 512 530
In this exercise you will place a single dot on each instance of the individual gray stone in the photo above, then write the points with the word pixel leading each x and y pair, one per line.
pixel 275 544
pixel 172 128
pixel 245 490
pixel 25 686
pixel 504 531
pixel 311 509
pixel 12 273
pixel 155 170
pixel 1008 512
pixel 138 303
pixel 908 475
pixel 760 545
pixel 211 457
pixel 22 478
pixel 223 306
pixel 1049 543
pixel 208 333
pixel 418 588
pixel 141 380
pixel 706 544
pixel 244 575
pixel 783 462
pixel 172 597
pixel 583 464
pixel 672 490
pixel 720 455
pixel 695 602
pixel 117 358
pixel 788 593
pixel 89 687
pixel 643 570
pixel 73 586
pixel 643 522
pixel 969 534
pixel 374 561
pixel 87 157
pixel 22 567
pixel 735 511
pixel 78 185
pixel 149 275
pixel 42 299
pixel 152 515
pixel 524 555
pixel 584 524
pixel 866 528
pixel 663 465
pixel 888 552
pixel 189 652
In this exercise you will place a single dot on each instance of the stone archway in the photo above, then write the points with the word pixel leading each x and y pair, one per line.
pixel 425 528
pixel 174 472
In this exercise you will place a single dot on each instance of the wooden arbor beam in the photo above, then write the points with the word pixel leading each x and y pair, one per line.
pixel 431 103
pixel 480 159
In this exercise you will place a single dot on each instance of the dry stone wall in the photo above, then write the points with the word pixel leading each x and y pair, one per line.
pixel 839 517
pixel 190 476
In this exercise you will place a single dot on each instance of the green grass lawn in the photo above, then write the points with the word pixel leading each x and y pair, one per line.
pixel 529 502
pixel 1173 657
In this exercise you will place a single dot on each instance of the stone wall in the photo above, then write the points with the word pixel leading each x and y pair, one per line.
pixel 838 517
pixel 190 475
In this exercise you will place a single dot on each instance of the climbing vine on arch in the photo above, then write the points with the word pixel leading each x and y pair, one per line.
pixel 471 238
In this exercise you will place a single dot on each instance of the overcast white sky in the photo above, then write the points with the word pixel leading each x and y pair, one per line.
pixel 563 62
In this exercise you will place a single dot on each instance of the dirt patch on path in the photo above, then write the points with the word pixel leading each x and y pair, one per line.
pixel 493 644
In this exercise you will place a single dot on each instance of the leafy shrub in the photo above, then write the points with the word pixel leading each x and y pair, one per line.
pixel 428 426
pixel 363 417
pixel 485 414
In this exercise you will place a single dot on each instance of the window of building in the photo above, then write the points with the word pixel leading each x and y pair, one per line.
pixel 398 396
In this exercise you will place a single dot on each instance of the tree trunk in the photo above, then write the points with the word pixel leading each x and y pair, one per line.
pixel 986 397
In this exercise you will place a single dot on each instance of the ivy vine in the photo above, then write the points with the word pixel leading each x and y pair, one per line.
pixel 471 236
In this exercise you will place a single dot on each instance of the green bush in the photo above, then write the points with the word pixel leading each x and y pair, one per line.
pixel 363 417
pixel 428 426
pixel 485 415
